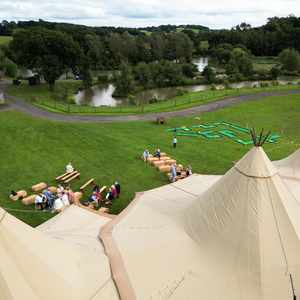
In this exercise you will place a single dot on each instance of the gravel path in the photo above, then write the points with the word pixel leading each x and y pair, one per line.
pixel 23 106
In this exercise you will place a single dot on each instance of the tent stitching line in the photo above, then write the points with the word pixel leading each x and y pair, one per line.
pixel 241 172
pixel 278 230
pixel 3 216
pixel 181 189
pixel 100 288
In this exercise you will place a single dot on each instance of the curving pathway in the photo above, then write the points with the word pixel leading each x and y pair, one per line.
pixel 23 106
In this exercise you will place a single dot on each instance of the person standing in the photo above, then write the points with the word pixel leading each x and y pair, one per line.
pixel 174 141
pixel 173 172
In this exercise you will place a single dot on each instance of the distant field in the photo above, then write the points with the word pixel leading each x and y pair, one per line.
pixel 5 40
pixel 264 62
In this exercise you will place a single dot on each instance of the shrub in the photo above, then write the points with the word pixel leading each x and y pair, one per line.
pixel 11 68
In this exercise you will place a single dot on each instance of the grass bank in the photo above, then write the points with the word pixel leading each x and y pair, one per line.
pixel 42 97
pixel 35 150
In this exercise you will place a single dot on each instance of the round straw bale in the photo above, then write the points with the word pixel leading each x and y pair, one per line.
pixel 170 162
pixel 159 163
pixel 53 189
pixel 165 169
pixel 29 200
pixel 22 194
pixel 14 198
pixel 39 187
pixel 77 197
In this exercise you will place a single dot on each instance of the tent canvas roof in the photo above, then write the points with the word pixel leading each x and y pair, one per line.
pixel 234 241
pixel 35 266
pixel 290 167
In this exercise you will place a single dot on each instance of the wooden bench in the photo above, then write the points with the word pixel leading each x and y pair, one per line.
pixel 58 178
pixel 69 175
pixel 77 175
pixel 87 183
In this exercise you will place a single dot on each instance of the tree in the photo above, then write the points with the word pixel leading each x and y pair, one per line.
pixel 240 62
pixel 124 81
pixel 209 74
pixel 48 52
pixel 203 47
pixel 290 60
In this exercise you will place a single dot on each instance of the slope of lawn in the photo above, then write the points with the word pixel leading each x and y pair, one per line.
pixel 35 150
pixel 4 40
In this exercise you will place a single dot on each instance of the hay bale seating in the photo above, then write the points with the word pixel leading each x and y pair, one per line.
pixel 75 176
pixel 29 200
pixel 39 187
pixel 170 162
pixel 77 197
pixel 20 195
pixel 158 163
pixel 164 169
pixel 52 189
pixel 92 180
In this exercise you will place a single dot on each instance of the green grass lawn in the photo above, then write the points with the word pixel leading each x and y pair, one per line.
pixel 34 150
pixel 4 40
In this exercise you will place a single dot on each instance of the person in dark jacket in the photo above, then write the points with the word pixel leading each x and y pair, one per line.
pixel 118 188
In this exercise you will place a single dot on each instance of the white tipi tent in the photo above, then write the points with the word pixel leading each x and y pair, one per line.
pixel 35 266
pixel 290 167
pixel 235 241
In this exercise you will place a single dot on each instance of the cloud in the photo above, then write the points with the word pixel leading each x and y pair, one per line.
pixel 135 13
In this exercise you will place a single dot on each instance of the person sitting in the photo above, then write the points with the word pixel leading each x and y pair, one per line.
pixel 118 188
pixel 69 168
pixel 13 196
pixel 188 171
pixel 60 190
pixel 58 205
pixel 65 199
pixel 114 191
pixel 70 194
pixel 40 201
pixel 146 155
pixel 50 197
pixel 109 197
pixel 157 153
pixel 96 188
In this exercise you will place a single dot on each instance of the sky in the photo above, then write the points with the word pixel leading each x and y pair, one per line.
pixel 215 14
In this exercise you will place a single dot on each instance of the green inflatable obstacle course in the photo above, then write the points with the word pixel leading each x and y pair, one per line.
pixel 220 130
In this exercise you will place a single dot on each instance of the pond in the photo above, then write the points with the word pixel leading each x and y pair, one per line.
pixel 103 95
pixel 201 63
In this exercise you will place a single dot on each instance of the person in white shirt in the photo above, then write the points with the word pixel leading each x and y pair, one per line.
pixel 65 199
pixel 40 200
pixel 58 205
pixel 174 142
pixel 69 168
pixel 146 155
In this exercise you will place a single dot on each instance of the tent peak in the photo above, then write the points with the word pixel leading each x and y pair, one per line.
pixel 256 163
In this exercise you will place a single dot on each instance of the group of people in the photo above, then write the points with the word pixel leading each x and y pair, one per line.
pixel 96 197
pixel 54 201
pixel 179 171
pixel 146 154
